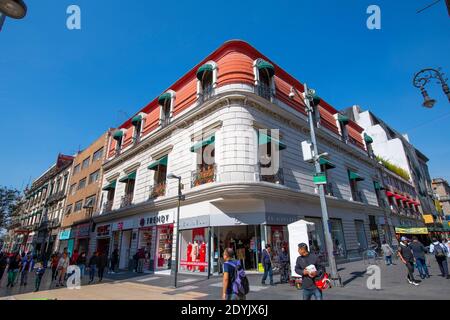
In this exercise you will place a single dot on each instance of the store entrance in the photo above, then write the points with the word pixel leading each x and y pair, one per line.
pixel 164 247
pixel 103 246
pixel 125 250
pixel 244 240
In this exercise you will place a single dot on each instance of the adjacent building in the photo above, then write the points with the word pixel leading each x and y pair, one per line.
pixel 442 191
pixel 83 196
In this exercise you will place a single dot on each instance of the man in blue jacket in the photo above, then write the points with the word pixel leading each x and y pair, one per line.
pixel 267 264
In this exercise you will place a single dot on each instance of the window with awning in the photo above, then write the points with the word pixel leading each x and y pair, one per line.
pixel 110 186
pixel 118 135
pixel 164 97
pixel 203 69
pixel 354 176
pixel 327 164
pixel 378 186
pixel 368 139
pixel 266 139
pixel 265 66
pixel 129 177
pixel 205 142
pixel 343 119
pixel 161 162
pixel 136 120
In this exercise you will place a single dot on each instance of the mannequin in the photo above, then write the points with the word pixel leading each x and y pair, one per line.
pixel 189 257
pixel 194 253
pixel 202 256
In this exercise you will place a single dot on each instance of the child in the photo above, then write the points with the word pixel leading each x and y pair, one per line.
pixel 39 274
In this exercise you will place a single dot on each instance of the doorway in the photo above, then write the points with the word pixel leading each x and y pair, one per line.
pixel 125 250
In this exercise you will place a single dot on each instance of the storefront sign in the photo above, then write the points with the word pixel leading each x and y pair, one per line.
pixel 411 230
pixel 159 219
pixel 82 231
pixel 428 218
pixel 104 231
pixel 195 222
pixel 64 234
pixel 123 225
pixel 281 219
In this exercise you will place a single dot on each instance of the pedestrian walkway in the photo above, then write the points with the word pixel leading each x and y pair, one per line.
pixel 127 285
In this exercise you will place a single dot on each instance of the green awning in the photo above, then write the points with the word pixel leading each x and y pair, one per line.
pixel 204 68
pixel 265 139
pixel 165 96
pixel 354 176
pixel 264 65
pixel 118 135
pixel 162 162
pixel 343 119
pixel 203 143
pixel 110 186
pixel 326 163
pixel 136 119
pixel 131 176
pixel 368 139
pixel 377 185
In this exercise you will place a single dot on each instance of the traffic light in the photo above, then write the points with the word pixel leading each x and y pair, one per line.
pixel 15 9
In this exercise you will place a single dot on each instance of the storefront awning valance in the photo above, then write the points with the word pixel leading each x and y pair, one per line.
pixel 411 230
pixel 204 68
pixel 265 139
pixel 354 176
pixel 162 162
pixel 136 119
pixel 165 96
pixel 110 186
pixel 368 139
pixel 201 144
pixel 131 176
pixel 327 163
pixel 343 119
pixel 118 135
pixel 264 65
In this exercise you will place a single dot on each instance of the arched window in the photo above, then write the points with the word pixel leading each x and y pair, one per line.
pixel 137 123
pixel 206 81
pixel 264 81
pixel 166 101
pixel 118 136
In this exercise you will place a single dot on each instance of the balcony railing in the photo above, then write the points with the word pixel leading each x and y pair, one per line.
pixel 206 94
pixel 56 197
pixel 328 188
pixel 107 206
pixel 277 178
pixel 157 190
pixel 264 91
pixel 165 121
pixel 204 175
pixel 126 200
pixel 357 196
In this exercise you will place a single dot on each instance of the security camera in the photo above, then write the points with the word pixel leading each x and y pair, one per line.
pixel 292 94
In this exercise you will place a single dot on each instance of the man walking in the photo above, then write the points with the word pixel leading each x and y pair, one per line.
pixel 267 264
pixel 229 276
pixel 93 266
pixel 308 266
pixel 406 255
pixel 101 265
pixel 440 253
pixel 387 252
pixel 419 251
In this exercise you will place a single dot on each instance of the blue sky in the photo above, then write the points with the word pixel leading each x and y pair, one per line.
pixel 61 89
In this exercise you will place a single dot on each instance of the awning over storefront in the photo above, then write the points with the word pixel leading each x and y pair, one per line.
pixel 131 176
pixel 201 144
pixel 354 176
pixel 265 139
pixel 204 68
pixel 162 162
pixel 110 186
pixel 411 230
pixel 327 163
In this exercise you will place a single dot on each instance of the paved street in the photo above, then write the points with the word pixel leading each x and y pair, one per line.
pixel 155 286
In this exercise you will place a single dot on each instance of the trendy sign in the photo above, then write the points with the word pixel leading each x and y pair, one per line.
pixel 156 220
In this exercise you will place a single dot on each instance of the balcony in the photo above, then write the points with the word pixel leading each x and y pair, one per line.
pixel 56 197
pixel 206 94
pixel 165 121
pixel 264 91
pixel 328 188
pixel 357 196
pixel 204 175
pixel 277 178
pixel 107 206
pixel 126 201
pixel 157 190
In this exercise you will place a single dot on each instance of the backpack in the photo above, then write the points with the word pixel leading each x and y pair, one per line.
pixel 439 251
pixel 240 284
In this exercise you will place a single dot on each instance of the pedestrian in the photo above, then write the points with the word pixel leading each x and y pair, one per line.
pixel 63 264
pixel 93 266
pixel 54 264
pixel 267 265
pixel 74 257
pixel 387 252
pixel 310 268
pixel 440 253
pixel 406 255
pixel 3 264
pixel 101 265
pixel 284 265
pixel 81 263
pixel 230 268
pixel 27 266
pixel 114 260
pixel 135 261
pixel 141 259
pixel 40 270
pixel 447 243
pixel 419 251
pixel 15 263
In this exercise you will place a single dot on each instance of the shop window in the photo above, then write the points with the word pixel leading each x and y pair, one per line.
pixel 193 250
pixel 164 247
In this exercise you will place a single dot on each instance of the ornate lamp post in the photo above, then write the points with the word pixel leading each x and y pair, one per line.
pixel 424 76
pixel 15 9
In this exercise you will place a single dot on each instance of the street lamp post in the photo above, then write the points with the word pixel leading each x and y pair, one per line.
pixel 177 233
pixel 424 76
pixel 308 97
pixel 15 9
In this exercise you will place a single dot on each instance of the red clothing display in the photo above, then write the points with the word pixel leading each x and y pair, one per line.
pixel 202 257
pixel 189 258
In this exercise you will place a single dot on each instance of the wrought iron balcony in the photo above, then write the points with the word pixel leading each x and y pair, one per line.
pixel 107 206
pixel 204 175
pixel 165 121
pixel 126 200
pixel 357 196
pixel 206 94
pixel 157 190
pixel 264 91
pixel 277 178
pixel 56 197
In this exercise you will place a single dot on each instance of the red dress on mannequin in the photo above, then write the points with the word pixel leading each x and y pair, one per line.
pixel 202 256
pixel 189 257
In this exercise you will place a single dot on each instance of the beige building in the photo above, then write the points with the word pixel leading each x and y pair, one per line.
pixel 442 191
pixel 82 198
